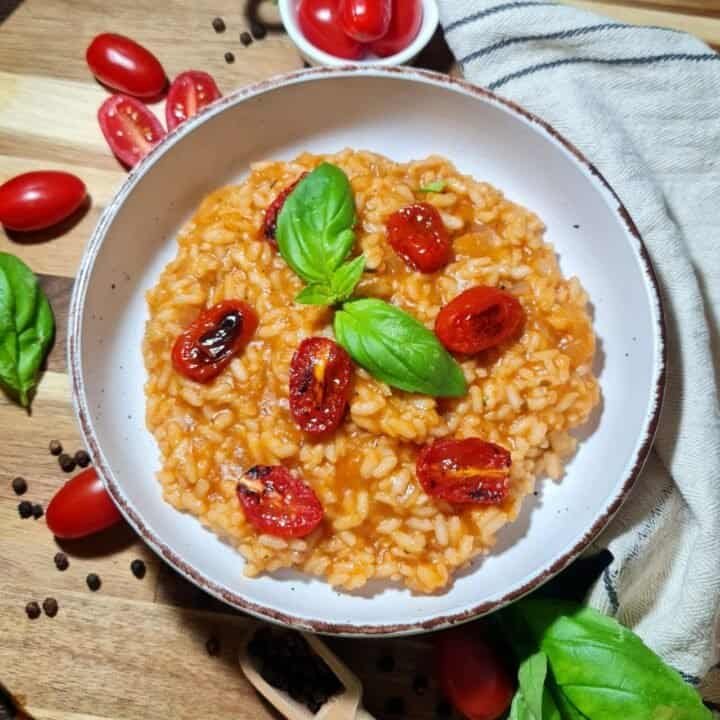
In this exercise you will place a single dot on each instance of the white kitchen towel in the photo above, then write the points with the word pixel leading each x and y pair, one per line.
pixel 644 104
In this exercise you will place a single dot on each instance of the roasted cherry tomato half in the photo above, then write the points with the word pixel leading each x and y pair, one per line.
pixel 320 24
pixel 271 214
pixel 219 333
pixel 278 503
pixel 189 93
pixel 366 20
pixel 320 375
pixel 129 127
pixel 417 234
pixel 479 318
pixel 405 22
pixel 81 507
pixel 464 471
pixel 37 200
pixel 472 675
pixel 124 65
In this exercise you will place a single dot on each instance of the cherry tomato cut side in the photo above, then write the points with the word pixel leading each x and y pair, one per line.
pixel 189 93
pixel 464 471
pixel 418 235
pixel 405 21
pixel 320 23
pixel 278 503
pixel 273 210
pixel 366 20
pixel 218 334
pixel 478 319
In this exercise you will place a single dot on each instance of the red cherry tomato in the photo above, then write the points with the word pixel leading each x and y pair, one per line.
pixel 320 374
pixel 464 471
pixel 271 214
pixel 366 20
pixel 479 318
pixel 320 24
pixel 37 200
pixel 129 127
pixel 218 334
pixel 81 507
pixel 417 234
pixel 472 675
pixel 124 65
pixel 189 93
pixel 405 24
pixel 278 503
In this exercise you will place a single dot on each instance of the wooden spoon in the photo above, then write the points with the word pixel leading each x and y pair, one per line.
pixel 343 706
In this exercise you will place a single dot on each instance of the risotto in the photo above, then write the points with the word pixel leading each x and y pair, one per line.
pixel 379 521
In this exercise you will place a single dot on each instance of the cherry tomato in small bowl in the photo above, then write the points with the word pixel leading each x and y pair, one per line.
pixel 320 23
pixel 406 19
pixel 81 507
pixel 189 93
pixel 124 65
pixel 40 199
pixel 365 20
pixel 418 235
pixel 129 127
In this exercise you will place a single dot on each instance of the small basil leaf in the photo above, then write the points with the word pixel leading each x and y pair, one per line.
pixel 316 294
pixel 314 230
pixel 397 349
pixel 531 678
pixel 434 187
pixel 346 277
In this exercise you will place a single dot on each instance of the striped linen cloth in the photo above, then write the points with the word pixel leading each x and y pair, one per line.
pixel 644 104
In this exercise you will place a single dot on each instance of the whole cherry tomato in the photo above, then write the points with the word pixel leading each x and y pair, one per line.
pixel 81 507
pixel 417 234
pixel 366 20
pixel 472 675
pixel 124 65
pixel 320 375
pixel 189 93
pixel 271 214
pixel 405 24
pixel 479 318
pixel 37 200
pixel 464 471
pixel 278 503
pixel 218 334
pixel 320 24
pixel 129 127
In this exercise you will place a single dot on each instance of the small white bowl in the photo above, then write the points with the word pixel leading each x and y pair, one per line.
pixel 315 56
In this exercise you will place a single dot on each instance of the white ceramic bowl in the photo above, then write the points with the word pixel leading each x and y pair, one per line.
pixel 316 56
pixel 403 114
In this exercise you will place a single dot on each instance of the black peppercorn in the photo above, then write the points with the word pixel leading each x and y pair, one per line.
pixel 19 486
pixel 61 561
pixel 33 610
pixel 82 458
pixel 138 569
pixel 212 646
pixel 93 582
pixel 258 30
pixel 218 25
pixel 246 38
pixel 66 463
pixel 37 511
pixel 229 57
pixel 25 509
pixel 55 447
pixel 50 606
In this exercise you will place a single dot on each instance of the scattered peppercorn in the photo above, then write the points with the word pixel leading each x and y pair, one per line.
pixel 33 610
pixel 55 447
pixel 138 569
pixel 93 582
pixel 19 485
pixel 212 646
pixel 82 458
pixel 218 25
pixel 229 57
pixel 246 38
pixel 61 561
pixel 420 684
pixel 258 30
pixel 50 606
pixel 66 463
pixel 395 706
pixel 443 709
pixel 25 509
pixel 386 663
pixel 37 511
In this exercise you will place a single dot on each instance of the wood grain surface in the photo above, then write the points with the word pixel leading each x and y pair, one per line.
pixel 136 649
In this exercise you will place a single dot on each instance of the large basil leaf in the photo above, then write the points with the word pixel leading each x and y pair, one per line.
pixel 314 231
pixel 396 348
pixel 27 327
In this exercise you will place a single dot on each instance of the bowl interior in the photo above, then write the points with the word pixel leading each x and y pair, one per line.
pixel 404 116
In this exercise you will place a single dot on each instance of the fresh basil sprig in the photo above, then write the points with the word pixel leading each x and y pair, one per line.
pixel 338 289
pixel 397 349
pixel 27 326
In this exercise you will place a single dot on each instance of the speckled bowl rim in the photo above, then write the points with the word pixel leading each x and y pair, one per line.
pixel 196 576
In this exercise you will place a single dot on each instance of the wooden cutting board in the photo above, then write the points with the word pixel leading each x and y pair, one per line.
pixel 136 649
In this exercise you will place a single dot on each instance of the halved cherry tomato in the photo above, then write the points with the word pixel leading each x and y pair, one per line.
pixel 218 334
pixel 124 65
pixel 37 200
pixel 271 214
pixel 81 507
pixel 129 127
pixel 278 503
pixel 405 24
pixel 472 675
pixel 189 93
pixel 417 234
pixel 320 24
pixel 479 318
pixel 366 20
pixel 320 374
pixel 464 471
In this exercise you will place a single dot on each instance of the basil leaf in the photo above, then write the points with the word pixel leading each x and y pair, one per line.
pixel 434 187
pixel 340 288
pixel 314 231
pixel 533 700
pixel 27 328
pixel 397 349
pixel 316 294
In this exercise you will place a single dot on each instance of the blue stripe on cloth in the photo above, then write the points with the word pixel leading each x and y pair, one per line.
pixel 493 10
pixel 649 60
